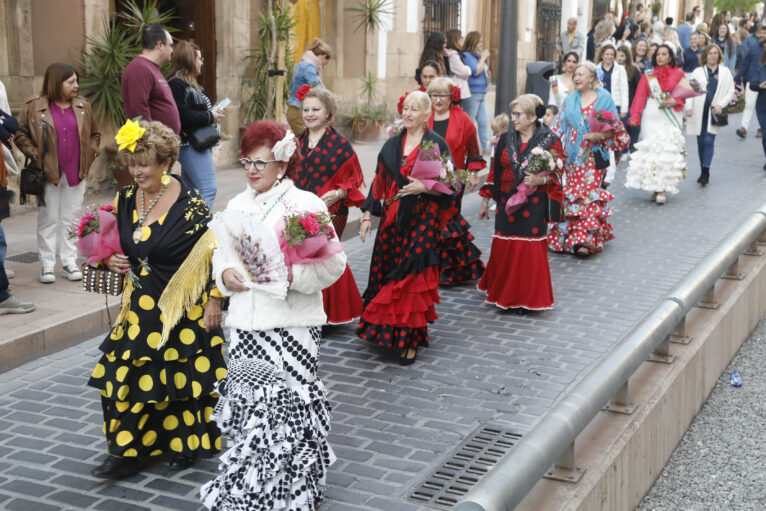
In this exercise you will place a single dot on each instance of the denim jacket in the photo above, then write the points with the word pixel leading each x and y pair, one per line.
pixel 477 84
pixel 305 73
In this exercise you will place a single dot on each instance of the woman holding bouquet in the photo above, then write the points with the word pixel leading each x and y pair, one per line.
pixel 586 228
pixel 460 259
pixel 517 275
pixel 659 163
pixel 331 170
pixel 272 407
pixel 404 271
pixel 163 356
pixel 718 83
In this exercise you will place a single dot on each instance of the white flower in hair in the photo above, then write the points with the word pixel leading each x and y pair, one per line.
pixel 284 149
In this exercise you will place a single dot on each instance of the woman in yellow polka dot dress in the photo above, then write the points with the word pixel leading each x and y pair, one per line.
pixel 164 355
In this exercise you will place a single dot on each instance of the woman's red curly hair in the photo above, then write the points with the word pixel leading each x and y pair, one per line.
pixel 268 133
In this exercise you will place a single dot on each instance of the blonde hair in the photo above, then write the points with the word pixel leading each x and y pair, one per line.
pixel 441 84
pixel 420 98
pixel 500 123
pixel 319 47
pixel 328 99
pixel 528 104
pixel 591 67
pixel 157 145
pixel 604 29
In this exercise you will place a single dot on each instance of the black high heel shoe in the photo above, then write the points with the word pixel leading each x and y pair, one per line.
pixel 704 176
pixel 117 467
pixel 404 360
pixel 181 461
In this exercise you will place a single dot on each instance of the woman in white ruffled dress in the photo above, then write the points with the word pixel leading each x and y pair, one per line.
pixel 272 408
pixel 659 163
pixel 562 85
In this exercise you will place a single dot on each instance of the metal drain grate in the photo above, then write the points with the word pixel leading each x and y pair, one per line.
pixel 26 257
pixel 464 467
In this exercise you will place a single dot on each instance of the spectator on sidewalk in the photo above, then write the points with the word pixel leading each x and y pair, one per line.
pixel 196 111
pixel 9 304
pixel 435 50
pixel 145 91
pixel 641 57
pixel 697 13
pixel 685 30
pixel 460 71
pixel 571 40
pixel 758 86
pixel 162 358
pixel 476 56
pixel 723 38
pixel 748 67
pixel 57 130
pixel 692 53
pixel 308 71
pixel 10 162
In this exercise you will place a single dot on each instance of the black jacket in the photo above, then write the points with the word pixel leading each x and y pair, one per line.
pixel 193 106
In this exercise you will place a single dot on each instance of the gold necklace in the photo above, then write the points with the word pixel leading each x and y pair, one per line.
pixel 139 233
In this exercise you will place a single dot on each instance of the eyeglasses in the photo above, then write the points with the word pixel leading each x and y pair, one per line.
pixel 440 96
pixel 259 165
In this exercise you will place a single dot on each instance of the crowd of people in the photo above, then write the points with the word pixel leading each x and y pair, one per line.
pixel 164 383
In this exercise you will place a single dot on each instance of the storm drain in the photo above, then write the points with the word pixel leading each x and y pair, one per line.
pixel 463 468
pixel 26 257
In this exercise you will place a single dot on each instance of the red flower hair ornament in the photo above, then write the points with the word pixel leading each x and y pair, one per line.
pixel 302 91
pixel 455 94
pixel 400 105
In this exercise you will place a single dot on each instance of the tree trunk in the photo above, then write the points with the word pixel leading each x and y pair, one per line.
pixel 708 16
pixel 272 58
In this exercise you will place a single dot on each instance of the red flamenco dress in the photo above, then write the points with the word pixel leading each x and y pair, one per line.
pixel 333 165
pixel 460 260
pixel 517 274
pixel 404 270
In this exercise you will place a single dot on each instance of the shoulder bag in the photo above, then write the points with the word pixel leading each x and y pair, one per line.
pixel 32 181
pixel 201 139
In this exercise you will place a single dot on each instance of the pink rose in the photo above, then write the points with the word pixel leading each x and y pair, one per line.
pixel 537 151
pixel 310 225
pixel 560 163
pixel 107 207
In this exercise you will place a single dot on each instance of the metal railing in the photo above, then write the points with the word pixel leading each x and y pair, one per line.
pixel 551 440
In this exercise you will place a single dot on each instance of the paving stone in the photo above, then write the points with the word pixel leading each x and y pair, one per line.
pixel 29 505
pixel 28 488
pixel 118 505
pixel 74 499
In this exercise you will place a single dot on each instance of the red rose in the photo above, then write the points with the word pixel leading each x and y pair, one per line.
pixel 400 105
pixel 302 92
pixel 455 94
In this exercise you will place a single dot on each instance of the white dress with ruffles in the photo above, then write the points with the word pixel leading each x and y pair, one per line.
pixel 659 163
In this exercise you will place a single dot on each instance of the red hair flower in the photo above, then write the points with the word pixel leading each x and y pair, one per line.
pixel 400 105
pixel 302 91
pixel 455 94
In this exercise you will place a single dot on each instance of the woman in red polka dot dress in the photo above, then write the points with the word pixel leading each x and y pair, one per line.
pixel 331 170
pixel 404 271
pixel 460 259
pixel 517 274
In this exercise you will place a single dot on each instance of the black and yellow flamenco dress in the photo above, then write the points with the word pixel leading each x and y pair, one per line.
pixel 159 366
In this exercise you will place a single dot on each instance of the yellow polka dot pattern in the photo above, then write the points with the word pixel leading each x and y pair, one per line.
pixel 146 302
pixel 195 313
pixel 153 340
pixel 146 383
pixel 187 336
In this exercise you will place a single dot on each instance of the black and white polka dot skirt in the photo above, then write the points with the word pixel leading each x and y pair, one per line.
pixel 274 413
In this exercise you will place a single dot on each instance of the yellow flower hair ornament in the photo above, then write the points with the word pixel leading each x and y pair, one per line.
pixel 129 135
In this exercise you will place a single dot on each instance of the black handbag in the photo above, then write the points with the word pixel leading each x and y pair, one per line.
pixel 32 179
pixel 204 138
pixel 721 119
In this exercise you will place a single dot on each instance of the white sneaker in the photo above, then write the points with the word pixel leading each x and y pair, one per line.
pixel 10 273
pixel 15 306
pixel 71 272
pixel 47 276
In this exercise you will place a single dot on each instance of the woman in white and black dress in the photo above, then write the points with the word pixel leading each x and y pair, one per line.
pixel 272 408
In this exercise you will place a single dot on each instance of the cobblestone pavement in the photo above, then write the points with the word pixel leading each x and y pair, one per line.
pixel 393 425
pixel 720 462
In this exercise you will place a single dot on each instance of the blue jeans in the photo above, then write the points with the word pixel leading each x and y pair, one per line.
pixel 633 131
pixel 4 294
pixel 761 115
pixel 198 172
pixel 476 109
pixel 705 146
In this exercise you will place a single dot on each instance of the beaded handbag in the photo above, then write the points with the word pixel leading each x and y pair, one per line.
pixel 102 280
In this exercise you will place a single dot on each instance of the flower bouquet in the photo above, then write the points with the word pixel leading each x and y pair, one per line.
pixel 98 238
pixel 599 121
pixel 687 88
pixel 737 103
pixel 257 248
pixel 435 170
pixel 542 163
pixel 307 238
pixel 394 129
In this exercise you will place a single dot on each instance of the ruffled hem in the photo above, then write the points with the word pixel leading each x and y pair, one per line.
pixel 592 233
pixel 279 455
pixel 342 301
pixel 659 163
pixel 406 303
pixel 393 337
pixel 460 259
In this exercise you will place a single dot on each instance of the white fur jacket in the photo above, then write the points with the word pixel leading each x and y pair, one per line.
pixel 256 309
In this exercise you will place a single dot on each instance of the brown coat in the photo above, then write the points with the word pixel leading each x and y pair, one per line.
pixel 29 138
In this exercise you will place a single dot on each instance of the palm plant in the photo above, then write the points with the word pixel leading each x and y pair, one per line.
pixel 256 104
pixel 106 58
pixel 369 16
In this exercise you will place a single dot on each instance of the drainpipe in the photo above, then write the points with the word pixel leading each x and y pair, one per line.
pixel 507 56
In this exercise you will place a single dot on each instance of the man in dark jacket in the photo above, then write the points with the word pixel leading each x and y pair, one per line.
pixel 747 68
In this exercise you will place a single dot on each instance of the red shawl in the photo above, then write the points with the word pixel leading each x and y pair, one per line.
pixel 462 140
pixel 668 77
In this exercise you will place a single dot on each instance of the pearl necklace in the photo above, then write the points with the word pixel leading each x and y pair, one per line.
pixel 139 233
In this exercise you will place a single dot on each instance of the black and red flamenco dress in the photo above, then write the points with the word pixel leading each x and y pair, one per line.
pixel 333 165
pixel 460 260
pixel 404 270
pixel 517 275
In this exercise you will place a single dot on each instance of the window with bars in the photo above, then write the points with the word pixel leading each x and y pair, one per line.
pixel 440 16
pixel 548 24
